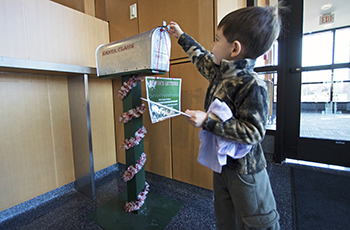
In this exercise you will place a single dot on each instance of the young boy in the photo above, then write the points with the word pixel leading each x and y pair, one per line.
pixel 242 190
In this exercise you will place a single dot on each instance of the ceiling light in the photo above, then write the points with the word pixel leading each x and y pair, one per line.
pixel 326 6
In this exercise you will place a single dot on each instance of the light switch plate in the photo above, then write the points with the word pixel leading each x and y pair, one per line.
pixel 133 11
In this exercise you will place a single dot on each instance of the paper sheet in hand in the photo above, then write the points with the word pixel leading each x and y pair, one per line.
pixel 163 91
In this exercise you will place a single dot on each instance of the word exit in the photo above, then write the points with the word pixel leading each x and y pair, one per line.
pixel 326 18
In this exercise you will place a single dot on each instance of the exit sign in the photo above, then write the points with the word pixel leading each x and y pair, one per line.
pixel 326 18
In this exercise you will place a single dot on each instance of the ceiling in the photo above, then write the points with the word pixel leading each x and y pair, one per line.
pixel 313 9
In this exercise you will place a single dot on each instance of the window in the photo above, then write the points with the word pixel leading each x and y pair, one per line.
pixel 266 67
pixel 326 81
pixel 325 84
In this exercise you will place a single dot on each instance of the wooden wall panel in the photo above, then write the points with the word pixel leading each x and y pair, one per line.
pixel 100 9
pixel 118 15
pixel 195 18
pixel 35 142
pixel 157 143
pixel 35 134
pixel 119 127
pixel 74 4
pixel 102 123
pixel 185 142
pixel 13 37
pixel 70 41
pixel 89 7
pixel 61 129
pixel 43 30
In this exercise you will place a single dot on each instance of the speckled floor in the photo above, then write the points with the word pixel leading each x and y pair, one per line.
pixel 67 209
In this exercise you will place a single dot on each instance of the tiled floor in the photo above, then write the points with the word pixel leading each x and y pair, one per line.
pixel 69 210
pixel 325 126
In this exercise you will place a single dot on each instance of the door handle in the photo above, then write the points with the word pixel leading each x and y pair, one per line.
pixel 295 70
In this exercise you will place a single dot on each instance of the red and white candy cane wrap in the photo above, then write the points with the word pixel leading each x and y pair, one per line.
pixel 131 142
pixel 136 205
pixel 128 85
pixel 132 170
pixel 132 113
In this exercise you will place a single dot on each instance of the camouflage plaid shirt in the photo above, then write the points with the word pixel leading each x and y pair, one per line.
pixel 235 83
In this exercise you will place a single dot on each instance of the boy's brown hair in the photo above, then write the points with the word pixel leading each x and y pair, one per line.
pixel 255 27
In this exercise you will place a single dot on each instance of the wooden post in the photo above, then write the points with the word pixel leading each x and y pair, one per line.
pixel 137 183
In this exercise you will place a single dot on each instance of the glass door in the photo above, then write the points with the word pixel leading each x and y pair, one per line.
pixel 316 86
pixel 325 88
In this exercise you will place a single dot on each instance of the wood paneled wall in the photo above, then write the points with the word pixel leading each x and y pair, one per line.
pixel 185 142
pixel 35 130
pixel 35 139
pixel 102 123
pixel 75 4
pixel 35 134
pixel 118 16
pixel 195 17
pixel 43 30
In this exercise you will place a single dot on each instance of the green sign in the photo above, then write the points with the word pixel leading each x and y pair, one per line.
pixel 166 92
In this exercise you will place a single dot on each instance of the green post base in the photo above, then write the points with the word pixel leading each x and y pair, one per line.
pixel 137 184
pixel 160 211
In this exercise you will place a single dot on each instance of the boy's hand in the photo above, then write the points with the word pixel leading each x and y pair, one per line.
pixel 197 118
pixel 175 30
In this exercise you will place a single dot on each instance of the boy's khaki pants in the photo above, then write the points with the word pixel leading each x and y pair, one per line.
pixel 244 201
